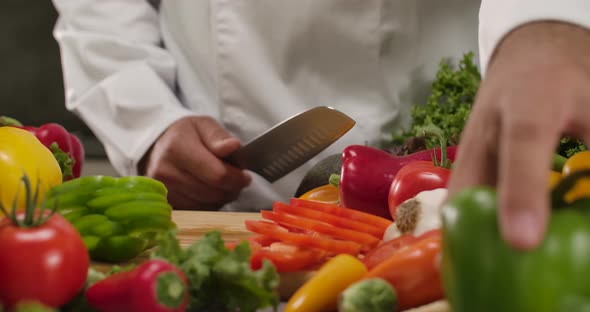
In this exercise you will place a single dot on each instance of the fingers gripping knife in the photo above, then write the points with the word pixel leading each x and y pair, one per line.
pixel 291 143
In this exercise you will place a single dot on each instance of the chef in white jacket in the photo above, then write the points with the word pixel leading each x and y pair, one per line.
pixel 199 77
pixel 171 89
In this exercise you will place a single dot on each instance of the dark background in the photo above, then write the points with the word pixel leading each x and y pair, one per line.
pixel 31 85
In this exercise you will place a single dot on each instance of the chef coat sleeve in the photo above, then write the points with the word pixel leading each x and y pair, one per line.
pixel 498 17
pixel 118 79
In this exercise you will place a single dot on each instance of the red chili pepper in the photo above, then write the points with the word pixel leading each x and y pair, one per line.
pixel 153 286
pixel 58 140
pixel 367 174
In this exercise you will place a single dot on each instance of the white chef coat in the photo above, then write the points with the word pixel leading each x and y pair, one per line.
pixel 131 70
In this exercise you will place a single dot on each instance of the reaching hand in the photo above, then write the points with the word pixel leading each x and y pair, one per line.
pixel 187 158
pixel 537 88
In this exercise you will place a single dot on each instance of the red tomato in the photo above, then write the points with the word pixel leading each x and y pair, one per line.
pixel 414 178
pixel 47 263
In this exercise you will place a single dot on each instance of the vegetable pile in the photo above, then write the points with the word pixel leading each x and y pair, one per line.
pixel 118 218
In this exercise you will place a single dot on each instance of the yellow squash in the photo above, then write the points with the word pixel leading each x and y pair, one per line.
pixel 321 292
pixel 22 153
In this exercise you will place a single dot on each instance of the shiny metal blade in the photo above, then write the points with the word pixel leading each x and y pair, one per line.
pixel 290 144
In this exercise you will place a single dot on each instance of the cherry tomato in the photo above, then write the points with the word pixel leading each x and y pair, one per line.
pixel 414 178
pixel 46 263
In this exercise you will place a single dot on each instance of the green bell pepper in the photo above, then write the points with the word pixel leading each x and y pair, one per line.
pixel 481 272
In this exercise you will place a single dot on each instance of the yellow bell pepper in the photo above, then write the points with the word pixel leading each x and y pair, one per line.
pixel 554 178
pixel 22 153
pixel 320 293
pixel 576 162
pixel 326 193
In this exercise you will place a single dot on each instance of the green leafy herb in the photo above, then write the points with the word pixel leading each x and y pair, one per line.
pixel 221 279
pixel 449 104
pixel 447 108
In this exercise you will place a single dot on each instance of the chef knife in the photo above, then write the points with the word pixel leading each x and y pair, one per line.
pixel 291 143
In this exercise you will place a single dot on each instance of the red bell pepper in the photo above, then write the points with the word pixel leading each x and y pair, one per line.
pixel 153 286
pixel 367 174
pixel 413 271
pixel 66 147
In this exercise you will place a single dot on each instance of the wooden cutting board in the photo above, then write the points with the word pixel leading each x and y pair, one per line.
pixel 192 225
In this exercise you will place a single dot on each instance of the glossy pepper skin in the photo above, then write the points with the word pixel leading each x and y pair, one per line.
pixel 67 142
pixel 153 286
pixel 321 292
pixel 481 272
pixel 367 174
pixel 58 140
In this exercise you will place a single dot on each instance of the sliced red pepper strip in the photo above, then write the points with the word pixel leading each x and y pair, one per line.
pixel 262 240
pixel 292 261
pixel 328 218
pixel 302 240
pixel 364 239
pixel 353 214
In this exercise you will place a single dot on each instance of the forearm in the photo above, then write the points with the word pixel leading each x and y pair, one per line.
pixel 118 78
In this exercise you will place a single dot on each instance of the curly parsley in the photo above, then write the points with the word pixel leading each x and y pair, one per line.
pixel 448 106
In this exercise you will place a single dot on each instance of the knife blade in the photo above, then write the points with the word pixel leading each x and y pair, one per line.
pixel 291 143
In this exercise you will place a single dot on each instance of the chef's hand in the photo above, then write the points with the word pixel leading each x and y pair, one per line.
pixel 537 88
pixel 187 158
